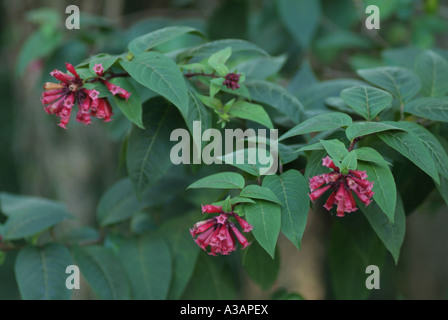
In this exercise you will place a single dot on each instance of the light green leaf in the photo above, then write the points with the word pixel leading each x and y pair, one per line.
pixel 335 149
pixel 350 162
pixel 218 61
pixel 384 188
pixel 370 155
pixel 292 190
pixel 160 74
pixel 258 192
pixel 254 112
pixel 367 101
pixel 131 108
pixel 103 272
pixel 223 180
pixel 40 272
pixel 265 217
pixel 321 122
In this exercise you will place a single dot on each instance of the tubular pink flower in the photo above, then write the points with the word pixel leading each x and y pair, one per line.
pixel 208 208
pixel 243 223
pixel 343 186
pixel 317 193
pixel 241 239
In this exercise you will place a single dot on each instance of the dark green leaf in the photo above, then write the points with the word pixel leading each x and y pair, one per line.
pixel 103 272
pixel 402 83
pixel 390 232
pixel 28 216
pixel 433 71
pixel 359 129
pixel 276 97
pixel 410 146
pixel 367 101
pixel 292 190
pixel 435 109
pixel 40 272
pixel 321 122
pixel 160 74
pixel 155 38
pixel 148 264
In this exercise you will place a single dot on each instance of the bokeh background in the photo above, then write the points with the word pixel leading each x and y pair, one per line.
pixel 76 166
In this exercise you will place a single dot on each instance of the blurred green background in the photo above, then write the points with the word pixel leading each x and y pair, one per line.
pixel 326 40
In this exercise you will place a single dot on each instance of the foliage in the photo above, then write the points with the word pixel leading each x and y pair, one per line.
pixel 390 113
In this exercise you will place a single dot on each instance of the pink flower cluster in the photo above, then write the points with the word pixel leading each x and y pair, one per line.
pixel 215 232
pixel 59 98
pixel 232 81
pixel 342 186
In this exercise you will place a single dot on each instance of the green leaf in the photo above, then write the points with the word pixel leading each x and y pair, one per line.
pixel 370 155
pixel 292 190
pixel 335 149
pixel 367 101
pixel 211 47
pixel 118 203
pixel 249 160
pixel 402 83
pixel 28 216
pixel 391 232
pixel 259 265
pixel 301 18
pixel 103 272
pixel 212 279
pixel 254 112
pixel 258 192
pixel 160 74
pixel 227 205
pixel 314 165
pixel 277 97
pixel 158 37
pixel 438 153
pixel 384 188
pixel 40 272
pixel 148 151
pixel 148 264
pixel 223 180
pixel 131 108
pixel 184 253
pixel 353 247
pixel 265 217
pixel 359 129
pixel 435 109
pixel 350 162
pixel 218 61
pixel 410 146
pixel 321 122
pixel 433 72
pixel 262 67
